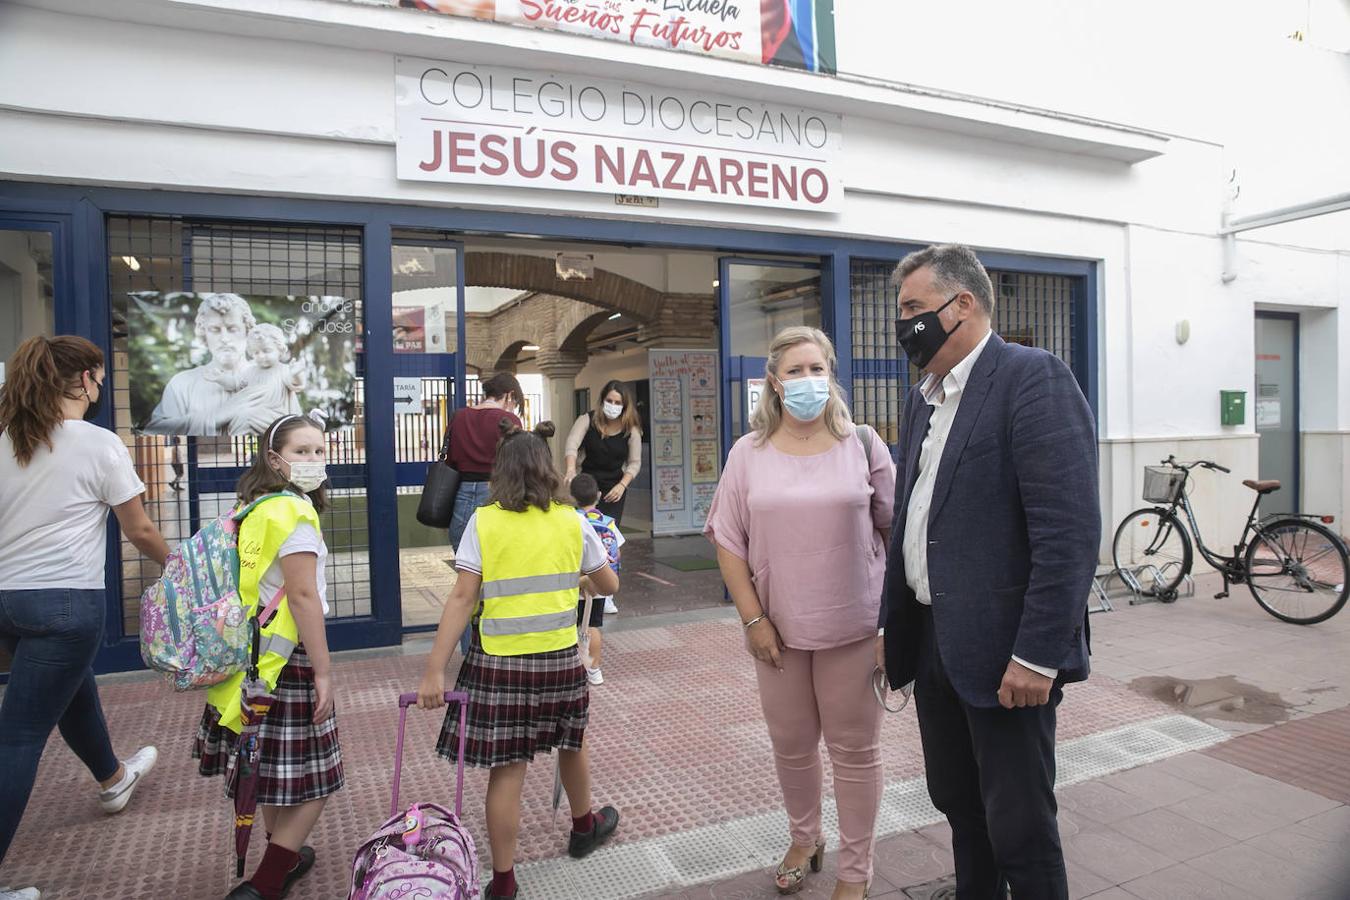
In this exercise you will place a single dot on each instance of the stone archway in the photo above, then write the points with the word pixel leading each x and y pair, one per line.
pixel 539 274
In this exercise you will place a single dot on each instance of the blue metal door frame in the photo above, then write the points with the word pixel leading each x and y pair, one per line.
pixel 77 214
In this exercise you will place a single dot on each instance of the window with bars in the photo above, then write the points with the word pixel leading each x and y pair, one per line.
pixel 191 479
pixel 1036 310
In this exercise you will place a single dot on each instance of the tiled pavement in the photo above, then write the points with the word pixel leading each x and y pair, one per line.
pixel 678 743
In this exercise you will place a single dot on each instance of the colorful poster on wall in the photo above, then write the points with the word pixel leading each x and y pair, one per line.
pixel 667 444
pixel 685 428
pixel 410 329
pixel 703 462
pixel 703 412
pixel 666 406
pixel 702 501
pixel 797 34
pixel 419 329
pixel 211 364
pixel 669 484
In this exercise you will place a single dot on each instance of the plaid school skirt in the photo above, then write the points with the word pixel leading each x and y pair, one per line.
pixel 300 761
pixel 518 706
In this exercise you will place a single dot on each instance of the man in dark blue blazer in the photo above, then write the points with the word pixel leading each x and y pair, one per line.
pixel 995 541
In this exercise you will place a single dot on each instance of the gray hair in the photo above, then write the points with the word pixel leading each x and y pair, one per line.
pixel 955 268
pixel 222 305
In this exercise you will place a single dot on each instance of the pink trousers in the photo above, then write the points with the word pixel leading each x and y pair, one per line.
pixel 829 693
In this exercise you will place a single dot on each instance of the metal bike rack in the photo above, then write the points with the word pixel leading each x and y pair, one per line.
pixel 1129 577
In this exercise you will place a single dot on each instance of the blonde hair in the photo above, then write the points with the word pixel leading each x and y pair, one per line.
pixel 769 413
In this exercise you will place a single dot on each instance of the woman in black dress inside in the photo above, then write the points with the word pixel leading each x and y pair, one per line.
pixel 607 445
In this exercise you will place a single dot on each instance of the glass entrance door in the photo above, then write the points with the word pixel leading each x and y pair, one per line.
pixel 756 300
pixel 429 383
pixel 1276 403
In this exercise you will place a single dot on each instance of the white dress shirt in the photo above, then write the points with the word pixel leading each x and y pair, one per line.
pixel 945 397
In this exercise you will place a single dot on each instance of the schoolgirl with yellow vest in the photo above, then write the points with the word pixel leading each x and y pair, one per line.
pixel 281 548
pixel 519 566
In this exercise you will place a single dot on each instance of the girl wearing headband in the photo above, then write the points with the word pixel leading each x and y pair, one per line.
pixel 301 761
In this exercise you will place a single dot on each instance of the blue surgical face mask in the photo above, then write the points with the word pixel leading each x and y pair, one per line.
pixel 805 398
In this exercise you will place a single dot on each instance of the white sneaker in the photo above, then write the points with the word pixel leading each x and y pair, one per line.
pixel 116 798
pixel 610 608
pixel 21 894
pixel 592 675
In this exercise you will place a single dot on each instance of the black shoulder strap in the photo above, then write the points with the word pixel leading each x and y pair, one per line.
pixel 445 443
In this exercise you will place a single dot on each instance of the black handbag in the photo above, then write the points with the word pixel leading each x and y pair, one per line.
pixel 437 505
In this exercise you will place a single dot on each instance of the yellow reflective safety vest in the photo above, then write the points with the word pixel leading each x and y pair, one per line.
pixel 261 535
pixel 531 575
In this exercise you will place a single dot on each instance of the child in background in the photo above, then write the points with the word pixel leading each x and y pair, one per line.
pixel 586 493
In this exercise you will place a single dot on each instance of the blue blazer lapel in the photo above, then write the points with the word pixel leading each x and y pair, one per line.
pixel 972 401
pixel 916 431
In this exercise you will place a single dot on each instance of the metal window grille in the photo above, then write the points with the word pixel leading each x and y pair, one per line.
pixel 1036 310
pixel 881 375
pixel 189 480
pixel 418 436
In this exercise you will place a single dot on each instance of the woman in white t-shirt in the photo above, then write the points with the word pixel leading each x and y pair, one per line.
pixel 59 476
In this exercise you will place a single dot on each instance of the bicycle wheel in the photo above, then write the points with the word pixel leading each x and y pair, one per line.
pixel 1298 571
pixel 1153 545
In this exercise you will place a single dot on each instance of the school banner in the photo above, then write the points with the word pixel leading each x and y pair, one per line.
pixel 510 127
pixel 211 364
pixel 798 34
pixel 686 460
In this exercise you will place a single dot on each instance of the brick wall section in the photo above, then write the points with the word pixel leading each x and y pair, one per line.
pixel 561 315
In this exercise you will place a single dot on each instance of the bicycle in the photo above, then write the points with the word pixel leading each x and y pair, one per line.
pixel 1297 569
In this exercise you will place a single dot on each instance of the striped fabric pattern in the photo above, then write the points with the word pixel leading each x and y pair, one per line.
pixel 518 706
pixel 300 761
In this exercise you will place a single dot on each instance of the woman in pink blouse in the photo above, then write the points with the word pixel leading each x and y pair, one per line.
pixel 801 520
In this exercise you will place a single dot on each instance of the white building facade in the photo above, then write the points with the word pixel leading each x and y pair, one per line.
pixel 1087 153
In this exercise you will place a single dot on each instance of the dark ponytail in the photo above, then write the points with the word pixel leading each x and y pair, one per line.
pixel 40 374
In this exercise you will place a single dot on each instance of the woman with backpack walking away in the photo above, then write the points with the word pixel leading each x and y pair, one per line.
pixel 281 548
pixel 520 565
pixel 59 476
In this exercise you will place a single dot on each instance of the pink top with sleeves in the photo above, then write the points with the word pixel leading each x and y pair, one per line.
pixel 808 527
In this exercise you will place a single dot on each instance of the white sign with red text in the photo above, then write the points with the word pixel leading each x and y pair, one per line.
pixel 519 128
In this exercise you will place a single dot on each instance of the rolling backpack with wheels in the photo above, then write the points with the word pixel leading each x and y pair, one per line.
pixel 423 851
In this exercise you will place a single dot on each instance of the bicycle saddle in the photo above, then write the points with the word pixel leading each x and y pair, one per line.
pixel 1262 487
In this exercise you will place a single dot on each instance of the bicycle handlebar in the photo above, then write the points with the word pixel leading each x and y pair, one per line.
pixel 1202 463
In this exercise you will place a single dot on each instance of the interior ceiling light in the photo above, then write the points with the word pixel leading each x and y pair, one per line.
pixel 132 262
pixel 616 316
pixel 530 348
pixel 717 283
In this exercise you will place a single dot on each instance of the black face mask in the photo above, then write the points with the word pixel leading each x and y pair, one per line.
pixel 922 336
pixel 95 406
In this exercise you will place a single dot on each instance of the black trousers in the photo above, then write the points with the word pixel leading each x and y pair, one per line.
pixel 991 772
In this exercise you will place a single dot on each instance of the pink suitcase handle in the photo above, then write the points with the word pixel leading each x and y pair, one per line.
pixel 406 700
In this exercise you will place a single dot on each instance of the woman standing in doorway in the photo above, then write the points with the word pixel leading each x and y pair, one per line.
pixel 801 521
pixel 59 476
pixel 607 443
pixel 473 434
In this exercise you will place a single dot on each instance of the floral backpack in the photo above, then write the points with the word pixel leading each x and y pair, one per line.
pixel 194 627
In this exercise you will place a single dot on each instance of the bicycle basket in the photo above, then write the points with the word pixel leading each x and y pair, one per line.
pixel 1161 484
